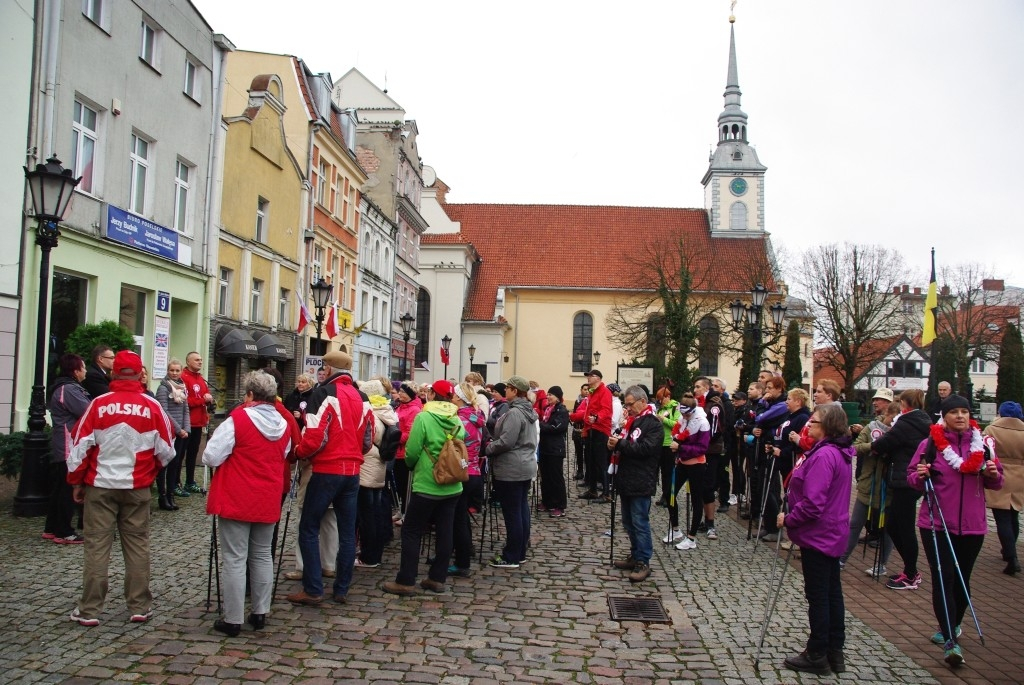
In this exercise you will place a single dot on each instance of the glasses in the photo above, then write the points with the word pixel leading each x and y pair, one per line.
pixel 814 421
pixel 106 357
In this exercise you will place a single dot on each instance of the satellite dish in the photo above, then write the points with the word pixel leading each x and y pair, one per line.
pixel 429 176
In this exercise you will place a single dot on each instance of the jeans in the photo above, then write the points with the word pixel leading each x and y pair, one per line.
pixel 1008 529
pixel 324 490
pixel 636 519
pixel 825 608
pixel 246 545
pixel 515 508
pixel 422 512
pixel 948 593
pixel 900 521
pixel 858 519
pixel 372 532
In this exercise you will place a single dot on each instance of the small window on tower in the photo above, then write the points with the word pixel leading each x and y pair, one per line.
pixel 737 155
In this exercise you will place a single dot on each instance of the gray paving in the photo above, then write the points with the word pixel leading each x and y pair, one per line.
pixel 546 622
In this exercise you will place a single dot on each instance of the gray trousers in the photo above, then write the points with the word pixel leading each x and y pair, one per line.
pixel 244 544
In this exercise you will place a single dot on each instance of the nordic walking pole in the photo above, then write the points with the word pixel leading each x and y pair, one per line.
pixel 292 492
pixel 956 562
pixel 611 489
pixel 881 532
pixel 867 524
pixel 770 601
pixel 764 498
pixel 931 501
pixel 214 561
pixel 671 503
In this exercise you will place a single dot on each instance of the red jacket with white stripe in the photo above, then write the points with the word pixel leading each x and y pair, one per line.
pixel 122 440
pixel 335 437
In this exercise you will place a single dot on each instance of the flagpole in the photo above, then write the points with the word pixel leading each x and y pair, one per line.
pixel 933 392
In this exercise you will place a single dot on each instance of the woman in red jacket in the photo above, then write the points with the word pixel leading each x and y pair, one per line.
pixel 248 451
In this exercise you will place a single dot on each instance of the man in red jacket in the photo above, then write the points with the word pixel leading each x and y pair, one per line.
pixel 336 437
pixel 199 400
pixel 598 420
pixel 121 442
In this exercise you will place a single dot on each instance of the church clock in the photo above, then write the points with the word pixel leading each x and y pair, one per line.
pixel 738 186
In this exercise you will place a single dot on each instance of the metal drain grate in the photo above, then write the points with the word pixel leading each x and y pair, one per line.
pixel 645 609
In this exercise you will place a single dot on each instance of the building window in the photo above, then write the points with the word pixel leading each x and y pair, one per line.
pixel 738 216
pixel 422 330
pixel 148 48
pixel 67 310
pixel 95 11
pixel 322 182
pixel 318 264
pixel 256 308
pixel 339 185
pixel 284 308
pixel 139 161
pixel 707 346
pixel 133 314
pixel 191 87
pixel 582 342
pixel 901 368
pixel 83 144
pixel 182 176
pixel 262 208
pixel 978 366
pixel 224 293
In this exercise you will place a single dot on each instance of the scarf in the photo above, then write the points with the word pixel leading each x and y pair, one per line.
pixel 177 389
pixel 976 458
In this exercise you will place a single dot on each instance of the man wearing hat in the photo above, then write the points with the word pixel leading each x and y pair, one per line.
pixel 121 443
pixel 596 416
pixel 338 433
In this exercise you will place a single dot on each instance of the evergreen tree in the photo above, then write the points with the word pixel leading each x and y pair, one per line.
pixel 792 371
pixel 945 365
pixel 1010 378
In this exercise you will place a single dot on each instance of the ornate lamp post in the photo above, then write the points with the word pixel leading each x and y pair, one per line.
pixel 321 299
pixel 407 320
pixel 52 187
pixel 446 345
pixel 472 353
pixel 751 317
pixel 597 358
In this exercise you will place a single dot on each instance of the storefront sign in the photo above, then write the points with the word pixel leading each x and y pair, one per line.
pixel 161 346
pixel 312 363
pixel 130 229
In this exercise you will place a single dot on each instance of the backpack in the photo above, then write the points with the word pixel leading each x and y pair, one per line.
pixel 389 442
pixel 452 463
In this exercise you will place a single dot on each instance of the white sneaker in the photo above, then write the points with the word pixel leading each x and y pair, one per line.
pixel 608 533
pixel 672 536
pixel 733 500
pixel 687 543
pixel 875 572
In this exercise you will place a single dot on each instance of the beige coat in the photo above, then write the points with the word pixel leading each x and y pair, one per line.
pixel 373 471
pixel 1009 436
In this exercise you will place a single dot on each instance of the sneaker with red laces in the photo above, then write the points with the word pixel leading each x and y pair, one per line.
pixel 143 617
pixel 556 513
pixel 73 539
pixel 82 620
pixel 904 582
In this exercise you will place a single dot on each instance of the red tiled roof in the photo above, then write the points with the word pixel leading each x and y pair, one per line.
pixel 551 246
pixel 444 239
pixel 871 353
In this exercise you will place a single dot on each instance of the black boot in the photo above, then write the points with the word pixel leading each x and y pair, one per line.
pixel 808 663
pixel 837 661
pixel 170 501
pixel 164 504
pixel 229 629
pixel 1012 567
pixel 258 621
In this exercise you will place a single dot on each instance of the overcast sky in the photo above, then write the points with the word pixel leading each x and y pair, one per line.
pixel 895 122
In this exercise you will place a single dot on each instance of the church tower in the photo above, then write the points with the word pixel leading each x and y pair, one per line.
pixel 734 181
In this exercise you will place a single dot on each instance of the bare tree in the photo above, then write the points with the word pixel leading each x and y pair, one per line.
pixel 849 290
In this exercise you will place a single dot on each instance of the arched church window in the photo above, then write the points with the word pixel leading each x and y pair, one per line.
pixel 707 346
pixel 582 342
pixel 738 216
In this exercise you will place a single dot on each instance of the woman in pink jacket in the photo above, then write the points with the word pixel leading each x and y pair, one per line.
pixel 960 464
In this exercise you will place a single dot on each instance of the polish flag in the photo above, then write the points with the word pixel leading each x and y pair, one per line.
pixel 331 327
pixel 444 356
pixel 305 318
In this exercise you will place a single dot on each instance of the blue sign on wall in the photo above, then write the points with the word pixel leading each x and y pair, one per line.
pixel 131 229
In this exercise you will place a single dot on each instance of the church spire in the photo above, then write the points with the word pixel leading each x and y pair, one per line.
pixel 732 122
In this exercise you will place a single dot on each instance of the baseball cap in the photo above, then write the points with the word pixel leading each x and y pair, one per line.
pixel 127 364
pixel 595 372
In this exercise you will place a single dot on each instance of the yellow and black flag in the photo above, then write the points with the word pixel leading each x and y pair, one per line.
pixel 931 303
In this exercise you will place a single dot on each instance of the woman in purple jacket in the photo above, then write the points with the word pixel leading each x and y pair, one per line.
pixel 961 464
pixel 819 522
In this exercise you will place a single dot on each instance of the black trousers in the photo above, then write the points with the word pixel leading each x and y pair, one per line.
pixel 825 607
pixel 552 481
pixel 694 475
pixel 901 522
pixel 61 506
pixel 950 593
pixel 195 438
pixel 472 496
pixel 420 514
pixel 597 461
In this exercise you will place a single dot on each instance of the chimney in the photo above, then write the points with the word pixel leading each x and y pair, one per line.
pixel 906 289
pixel 945 291
pixel 895 290
pixel 917 291
pixel 992 285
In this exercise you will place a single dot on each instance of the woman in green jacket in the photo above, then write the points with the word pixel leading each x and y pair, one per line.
pixel 430 502
pixel 668 412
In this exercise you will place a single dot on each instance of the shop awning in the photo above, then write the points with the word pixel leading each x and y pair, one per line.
pixel 269 346
pixel 234 342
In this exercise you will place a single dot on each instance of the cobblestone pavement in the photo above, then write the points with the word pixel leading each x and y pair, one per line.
pixel 545 622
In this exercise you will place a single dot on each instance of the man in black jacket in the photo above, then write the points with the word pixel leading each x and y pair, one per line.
pixel 97 376
pixel 635 456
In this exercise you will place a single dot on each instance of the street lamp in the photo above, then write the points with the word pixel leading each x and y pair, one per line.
pixel 472 353
pixel 406 320
pixel 597 358
pixel 446 346
pixel 321 298
pixel 751 317
pixel 52 187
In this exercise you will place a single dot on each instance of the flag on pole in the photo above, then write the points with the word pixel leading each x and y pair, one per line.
pixel 444 356
pixel 931 303
pixel 305 318
pixel 331 327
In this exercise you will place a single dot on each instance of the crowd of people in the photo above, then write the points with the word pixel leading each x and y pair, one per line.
pixel 360 459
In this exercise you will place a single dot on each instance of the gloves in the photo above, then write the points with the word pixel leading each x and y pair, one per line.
pixel 749 439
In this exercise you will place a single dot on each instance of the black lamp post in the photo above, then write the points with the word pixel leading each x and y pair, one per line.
pixel 52 187
pixel 751 317
pixel 321 298
pixel 407 320
pixel 597 358
pixel 472 353
pixel 446 345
